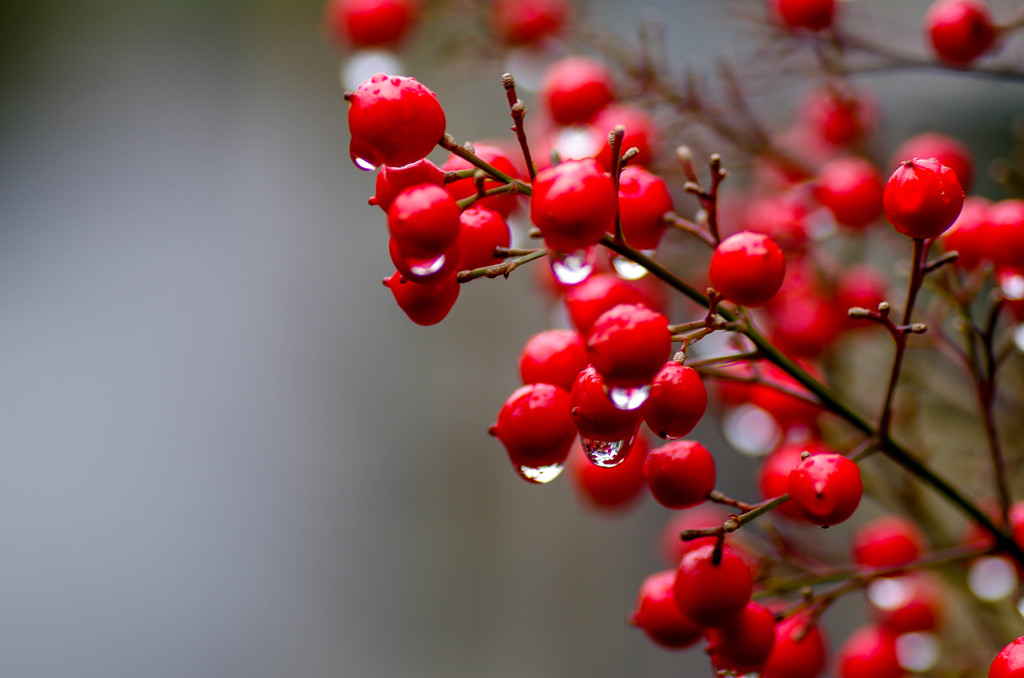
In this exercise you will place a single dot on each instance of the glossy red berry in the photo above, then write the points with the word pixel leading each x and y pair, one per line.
pixel 658 616
pixel 464 188
pixel 677 401
pixel 851 188
pixel 393 120
pixel 424 221
pixel 593 412
pixel 773 475
pixel 393 180
pixel 480 231
pixel 1006 233
pixel 641 133
pixel 523 22
pixel 643 201
pixel 610 487
pixel 535 426
pixel 600 292
pixel 575 89
pixel 424 303
pixel 708 593
pixel 922 198
pixel 959 31
pixel 870 652
pixel 813 15
pixel 628 345
pixel 947 150
pixel 680 474
pixel 370 23
pixel 799 650
pixel 553 357
pixel 1009 663
pixel 826 488
pixel 573 204
pixel 972 235
pixel 743 644
pixel 428 270
pixel 886 542
pixel 747 268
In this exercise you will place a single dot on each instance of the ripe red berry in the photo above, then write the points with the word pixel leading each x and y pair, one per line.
pixel 553 357
pixel 643 202
pixel 870 652
pixel 789 411
pixel 908 604
pixel 424 221
pixel 463 188
pixel 804 323
pixel 799 650
pixel 535 426
pixel 593 412
pixel 677 401
pixel 429 270
pixel 747 268
pixel 860 287
pixel 773 476
pixel 573 204
pixel 658 616
pixel 523 22
pixel 813 15
pixel 959 31
pixel 480 231
pixel 783 219
pixel 393 120
pixel 641 133
pixel 424 303
pixel 947 150
pixel 838 118
pixel 922 198
pixel 1006 233
pixel 889 541
pixel 743 644
pixel 826 488
pixel 610 487
pixel 708 593
pixel 680 474
pixel 575 89
pixel 672 548
pixel 1009 663
pixel 628 345
pixel 393 180
pixel 851 188
pixel 598 293
pixel 972 235
pixel 370 23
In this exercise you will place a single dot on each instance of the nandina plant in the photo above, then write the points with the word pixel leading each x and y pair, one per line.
pixel 852 322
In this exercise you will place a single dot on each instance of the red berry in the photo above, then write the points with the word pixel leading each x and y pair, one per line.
pixel 705 515
pixel 464 188
pixel 826 488
pixel 610 487
pixel 370 23
pixel 392 180
pixel 677 401
pixel 393 120
pixel 851 188
pixel 743 644
pixel 522 22
pixel 573 204
pixel 947 150
pixel 813 15
pixel 909 603
pixel 594 414
pixel 860 287
pixel 889 541
pixel 803 322
pixel 535 426
pixel 1009 663
pixel 711 594
pixel 747 268
pixel 799 650
pixel 424 303
pixel 869 653
pixel 1006 233
pixel 959 31
pixel 971 235
pixel 430 270
pixel 839 118
pixel 658 616
pixel 600 292
pixel 922 198
pixel 628 345
pixel 424 221
pixel 773 476
pixel 480 231
pixel 783 219
pixel 643 202
pixel 789 411
pixel 575 89
pixel 640 133
pixel 680 474
pixel 553 357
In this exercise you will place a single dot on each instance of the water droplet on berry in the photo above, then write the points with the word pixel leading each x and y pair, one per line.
pixel 627 269
pixel 605 454
pixel 365 63
pixel 889 593
pixel 540 474
pixel 992 578
pixel 628 398
pixel 572 268
pixel 751 430
pixel 917 651
pixel 424 267
pixel 364 165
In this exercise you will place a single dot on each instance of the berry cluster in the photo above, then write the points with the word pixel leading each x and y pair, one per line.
pixel 782 278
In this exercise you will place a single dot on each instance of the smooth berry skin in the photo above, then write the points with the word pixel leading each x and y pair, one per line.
pixel 943 148
pixel 658 616
pixel 747 268
pixel 870 652
pixel 535 426
pixel 573 204
pixel 799 650
pixel 826 488
pixel 464 188
pixel 393 180
pixel 1009 663
pixel 959 31
pixel 424 303
pixel 711 594
pixel 424 221
pixel 773 475
pixel 839 120
pixel 804 323
pixel 628 345
pixel 676 402
pixel 425 270
pixel 393 120
pixel 480 231
pixel 922 198
pixel 370 23
pixel 971 235
pixel 593 412
pixel 782 219
pixel 597 294
pixel 851 188
pixel 680 474
pixel 575 89
pixel 613 488
pixel 1006 233
pixel 643 201
pixel 553 357
pixel 887 542
pixel 743 644
pixel 814 15
pixel 525 22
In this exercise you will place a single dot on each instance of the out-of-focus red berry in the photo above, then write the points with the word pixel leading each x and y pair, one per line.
pixel 870 652
pixel 370 23
pixel 888 541
pixel 971 235
pixel 851 188
pixel 641 133
pixel 575 89
pixel 524 22
pixel 947 150
pixel 813 15
pixel 959 31
pixel 463 188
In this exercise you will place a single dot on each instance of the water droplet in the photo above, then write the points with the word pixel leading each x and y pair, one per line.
pixel 628 399
pixel 627 269
pixel 890 593
pixel 424 267
pixel 364 64
pixel 604 453
pixel 992 578
pixel 917 651
pixel 751 430
pixel 540 474
pixel 364 165
pixel 572 268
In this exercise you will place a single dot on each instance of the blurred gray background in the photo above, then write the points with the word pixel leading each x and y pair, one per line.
pixel 226 453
